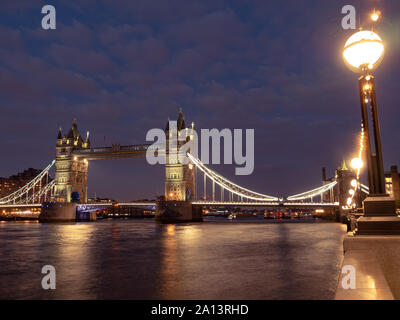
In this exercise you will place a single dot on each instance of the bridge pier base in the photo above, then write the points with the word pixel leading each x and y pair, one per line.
pixel 63 212
pixel 177 212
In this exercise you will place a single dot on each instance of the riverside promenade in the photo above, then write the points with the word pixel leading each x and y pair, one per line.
pixel 376 260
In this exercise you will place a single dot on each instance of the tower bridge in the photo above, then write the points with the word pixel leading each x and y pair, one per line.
pixel 181 200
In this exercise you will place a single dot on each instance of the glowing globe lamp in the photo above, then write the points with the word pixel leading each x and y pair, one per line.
pixel 356 163
pixel 363 51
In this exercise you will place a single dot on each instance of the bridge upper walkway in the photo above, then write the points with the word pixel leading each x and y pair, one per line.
pixel 115 151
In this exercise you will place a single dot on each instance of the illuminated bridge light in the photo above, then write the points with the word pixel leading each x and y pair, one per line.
pixel 23 195
pixel 313 193
pixel 229 185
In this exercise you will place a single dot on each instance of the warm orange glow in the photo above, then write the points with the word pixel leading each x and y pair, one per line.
pixel 363 49
pixel 171 229
pixel 356 163
pixel 375 16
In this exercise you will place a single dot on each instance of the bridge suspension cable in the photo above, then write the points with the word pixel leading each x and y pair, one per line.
pixel 313 193
pixel 22 195
pixel 229 185
pixel 43 191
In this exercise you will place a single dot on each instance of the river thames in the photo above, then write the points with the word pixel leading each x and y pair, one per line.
pixel 139 259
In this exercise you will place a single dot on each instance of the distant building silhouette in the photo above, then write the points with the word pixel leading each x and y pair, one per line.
pixel 14 182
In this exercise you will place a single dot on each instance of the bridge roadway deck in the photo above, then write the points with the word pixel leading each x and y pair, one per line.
pixel 268 204
pixel 197 203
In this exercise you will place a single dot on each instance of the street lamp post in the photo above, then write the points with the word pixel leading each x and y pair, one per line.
pixel 362 53
pixel 376 175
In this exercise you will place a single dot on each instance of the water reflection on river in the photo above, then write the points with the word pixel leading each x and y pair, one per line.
pixel 139 259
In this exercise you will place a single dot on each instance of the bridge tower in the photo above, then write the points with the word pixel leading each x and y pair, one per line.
pixel 180 179
pixel 71 172
pixel 344 177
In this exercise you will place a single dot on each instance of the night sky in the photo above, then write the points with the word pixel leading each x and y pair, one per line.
pixel 122 67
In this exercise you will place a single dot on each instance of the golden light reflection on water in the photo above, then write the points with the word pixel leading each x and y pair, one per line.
pixel 180 251
pixel 169 270
pixel 189 234
pixel 73 259
pixel 171 229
